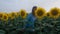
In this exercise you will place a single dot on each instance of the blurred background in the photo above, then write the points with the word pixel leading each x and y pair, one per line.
pixel 16 5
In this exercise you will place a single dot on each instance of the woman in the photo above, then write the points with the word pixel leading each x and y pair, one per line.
pixel 30 20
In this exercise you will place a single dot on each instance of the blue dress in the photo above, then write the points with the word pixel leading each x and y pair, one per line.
pixel 30 21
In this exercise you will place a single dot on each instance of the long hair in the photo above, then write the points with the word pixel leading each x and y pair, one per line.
pixel 33 10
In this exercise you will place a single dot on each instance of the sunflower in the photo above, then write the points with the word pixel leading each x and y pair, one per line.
pixel 1 15
pixel 23 13
pixel 5 17
pixel 12 15
pixel 47 14
pixel 54 13
pixel 40 13
pixel 17 14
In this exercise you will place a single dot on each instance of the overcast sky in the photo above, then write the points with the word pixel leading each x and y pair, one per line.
pixel 16 5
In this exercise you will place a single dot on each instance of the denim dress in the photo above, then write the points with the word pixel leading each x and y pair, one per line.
pixel 30 21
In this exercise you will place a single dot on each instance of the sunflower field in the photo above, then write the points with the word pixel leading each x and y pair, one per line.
pixel 46 22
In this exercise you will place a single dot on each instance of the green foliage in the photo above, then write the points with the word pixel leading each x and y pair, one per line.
pixel 42 26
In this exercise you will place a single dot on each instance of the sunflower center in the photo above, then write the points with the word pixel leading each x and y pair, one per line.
pixel 47 14
pixel 22 13
pixel 0 15
pixel 13 14
pixel 40 13
pixel 5 17
pixel 54 12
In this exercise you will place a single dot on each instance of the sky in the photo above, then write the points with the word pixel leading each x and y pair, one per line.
pixel 17 5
